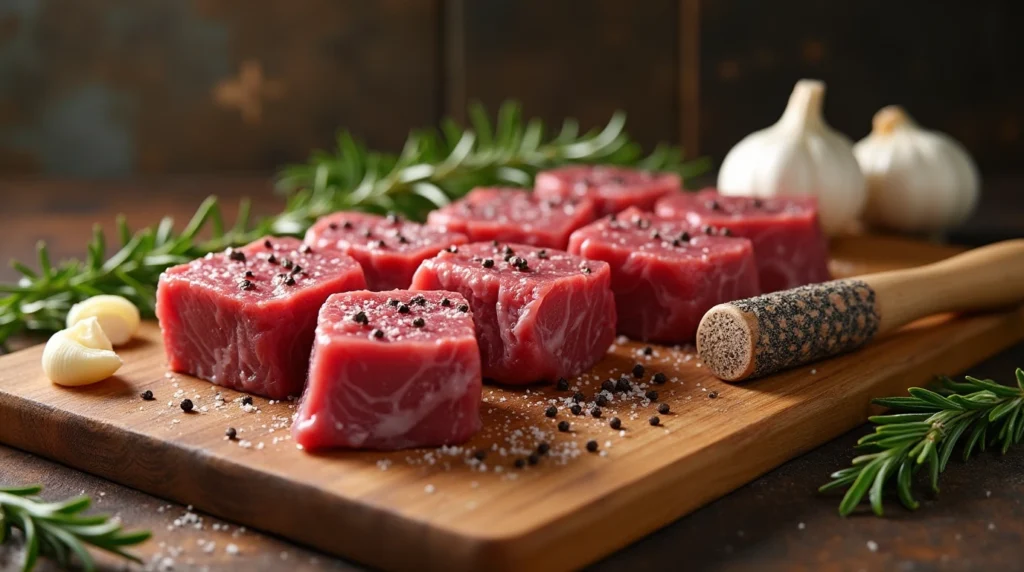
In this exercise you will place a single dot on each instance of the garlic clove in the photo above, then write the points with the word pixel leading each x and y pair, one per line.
pixel 118 317
pixel 80 355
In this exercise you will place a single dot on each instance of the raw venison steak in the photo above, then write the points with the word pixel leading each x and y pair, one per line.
pixel 788 243
pixel 612 189
pixel 244 319
pixel 388 248
pixel 391 370
pixel 540 314
pixel 665 273
pixel 514 215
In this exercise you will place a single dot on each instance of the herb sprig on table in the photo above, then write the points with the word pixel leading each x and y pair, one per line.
pixel 434 167
pixel 59 530
pixel 923 431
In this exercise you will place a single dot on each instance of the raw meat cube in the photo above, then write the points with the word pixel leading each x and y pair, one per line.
pixel 789 246
pixel 244 319
pixel 540 314
pixel 388 248
pixel 514 215
pixel 666 273
pixel 391 370
pixel 612 189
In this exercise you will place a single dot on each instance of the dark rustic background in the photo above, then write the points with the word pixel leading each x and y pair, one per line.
pixel 127 87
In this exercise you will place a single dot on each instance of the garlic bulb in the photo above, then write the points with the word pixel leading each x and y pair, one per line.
pixel 800 155
pixel 80 355
pixel 918 180
pixel 118 317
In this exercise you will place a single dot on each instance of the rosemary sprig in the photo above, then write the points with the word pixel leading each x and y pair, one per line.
pixel 434 167
pixel 922 433
pixel 59 530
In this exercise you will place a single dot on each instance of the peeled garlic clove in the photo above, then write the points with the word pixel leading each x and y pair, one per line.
pixel 118 317
pixel 80 355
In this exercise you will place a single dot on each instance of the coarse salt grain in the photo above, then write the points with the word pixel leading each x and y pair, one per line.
pixel 429 489
pixel 232 549
pixel 872 546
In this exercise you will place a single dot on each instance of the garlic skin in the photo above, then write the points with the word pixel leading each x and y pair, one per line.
pixel 118 317
pixel 80 355
pixel 919 181
pixel 801 155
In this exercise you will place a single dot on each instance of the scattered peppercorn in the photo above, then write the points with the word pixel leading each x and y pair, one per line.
pixel 488 263
pixel 296 269
pixel 664 409
pixel 601 400
pixel 578 397
pixel 648 351
pixel 247 400
pixel 289 280
pixel 360 318
pixel 267 244
pixel 147 395
pixel 306 249
pixel 392 217
pixel 378 333
pixel 346 225
pixel 654 421
pixel 585 269
pixel 453 249
pixel 508 252
pixel 480 455
pixel 562 384
pixel 367 233
pixel 419 322
pixel 403 309
pixel 463 307
pixel 659 378
pixel 576 409
pixel 543 448
pixel 684 236
pixel 713 395
pixel 246 285
pixel 676 242
pixel 551 411
pixel 187 405
pixel 237 256
pixel 542 254
pixel 392 301
pixel 651 394
pixel 638 371
pixel 231 433
pixel 592 446
pixel 519 263
pixel 758 203
pixel 520 463
pixel 419 300
pixel 563 426
pixel 381 244
pixel 595 413
pixel 446 302
pixel 623 384
pixel 533 459
pixel 713 205
pixel 655 235
pixel 287 263
pixel 608 385
pixel 272 259
pixel 615 423
pixel 249 274
pixel 707 229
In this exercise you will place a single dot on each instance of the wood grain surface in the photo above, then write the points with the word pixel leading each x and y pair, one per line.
pixel 435 509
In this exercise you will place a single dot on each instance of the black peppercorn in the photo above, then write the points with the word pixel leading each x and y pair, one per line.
pixel 480 455
pixel 615 423
pixel 186 405
pixel 289 280
pixel 713 395
pixel 268 245
pixel 542 254
pixel 378 333
pixel 592 446
pixel 655 235
pixel 463 308
pixel 508 252
pixel 519 263
pixel 595 413
pixel 296 269
pixel 249 274
pixel 453 249
pixel 601 400
pixel 488 263
pixel 676 242
pixel 585 269
pixel 551 411
pixel 563 426
pixel 237 256
pixel 272 259
pixel 246 285
pixel 543 448
pixel 392 217
pixel 576 409
pixel 445 302
pixel 360 318
pixel 638 371
pixel 419 300
pixel 533 459
pixel 247 400
pixel 392 301
pixel 147 395
pixel 651 394
pixel 654 421
pixel 231 433
pixel 419 322
pixel 707 229
pixel 684 236
pixel 623 384
pixel 578 397
pixel 306 249
pixel 726 232
pixel 562 384
pixel 608 385
pixel 520 463
pixel 381 244
pixel 664 409
pixel 659 378
pixel 712 205
pixel 758 203
pixel 648 351
pixel 287 263
pixel 367 233
pixel 403 309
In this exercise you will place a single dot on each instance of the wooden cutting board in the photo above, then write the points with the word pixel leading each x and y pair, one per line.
pixel 437 509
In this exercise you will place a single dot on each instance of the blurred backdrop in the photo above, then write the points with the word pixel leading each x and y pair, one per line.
pixel 114 88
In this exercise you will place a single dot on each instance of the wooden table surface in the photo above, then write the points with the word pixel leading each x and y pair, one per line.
pixel 777 522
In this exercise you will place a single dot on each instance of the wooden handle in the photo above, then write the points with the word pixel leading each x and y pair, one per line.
pixel 980 279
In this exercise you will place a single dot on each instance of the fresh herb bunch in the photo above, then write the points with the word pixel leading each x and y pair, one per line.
pixel 434 167
pixel 59 530
pixel 923 433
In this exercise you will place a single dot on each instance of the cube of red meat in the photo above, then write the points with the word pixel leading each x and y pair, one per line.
pixel 391 370
pixel 666 273
pixel 244 319
pixel 540 314
pixel 613 189
pixel 388 248
pixel 514 215
pixel 789 246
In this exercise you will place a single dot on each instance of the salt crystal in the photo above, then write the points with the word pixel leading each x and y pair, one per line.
pixel 232 549
pixel 801 526
pixel 872 546
pixel 429 489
